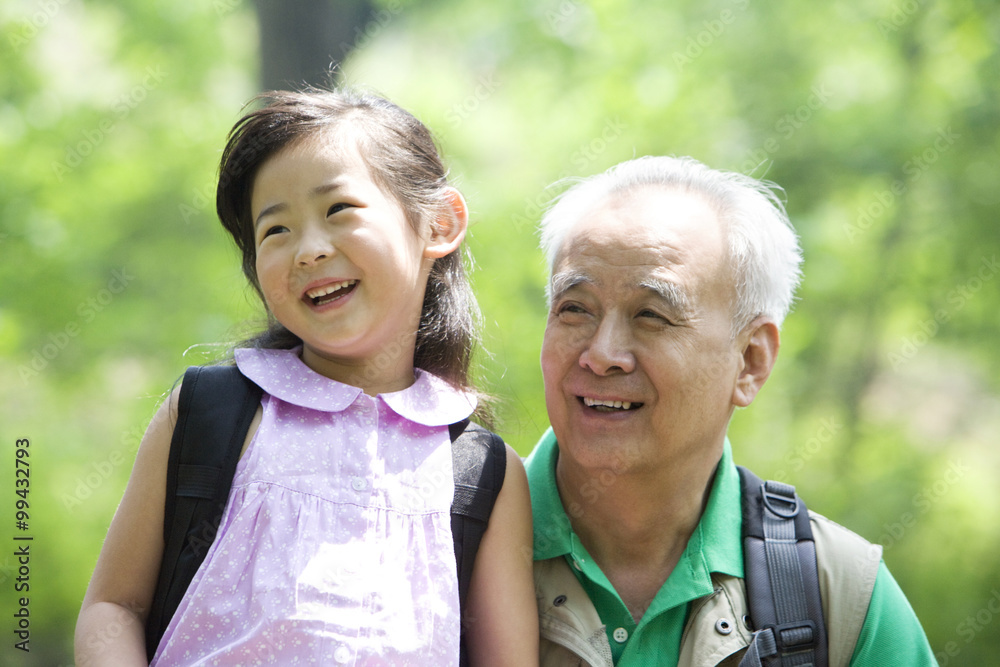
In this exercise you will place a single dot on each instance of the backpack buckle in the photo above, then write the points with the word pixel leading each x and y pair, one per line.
pixel 795 636
pixel 780 499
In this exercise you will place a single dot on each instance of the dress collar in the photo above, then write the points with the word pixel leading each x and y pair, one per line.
pixel 281 373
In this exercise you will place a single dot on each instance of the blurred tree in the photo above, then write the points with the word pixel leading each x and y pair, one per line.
pixel 303 41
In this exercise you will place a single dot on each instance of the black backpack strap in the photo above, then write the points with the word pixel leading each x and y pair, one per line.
pixel 479 458
pixel 214 411
pixel 781 576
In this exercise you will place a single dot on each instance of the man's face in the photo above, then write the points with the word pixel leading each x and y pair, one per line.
pixel 638 360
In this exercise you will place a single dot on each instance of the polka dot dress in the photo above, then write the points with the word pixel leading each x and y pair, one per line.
pixel 335 547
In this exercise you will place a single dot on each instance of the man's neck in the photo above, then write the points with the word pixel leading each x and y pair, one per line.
pixel 636 525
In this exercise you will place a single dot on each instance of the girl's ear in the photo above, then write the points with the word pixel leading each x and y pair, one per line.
pixel 448 229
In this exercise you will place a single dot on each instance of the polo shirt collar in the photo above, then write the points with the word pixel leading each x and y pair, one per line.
pixel 714 546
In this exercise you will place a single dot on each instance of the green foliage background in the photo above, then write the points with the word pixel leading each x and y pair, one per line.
pixel 879 119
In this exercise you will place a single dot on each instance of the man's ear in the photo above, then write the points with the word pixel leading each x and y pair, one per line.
pixel 448 229
pixel 760 342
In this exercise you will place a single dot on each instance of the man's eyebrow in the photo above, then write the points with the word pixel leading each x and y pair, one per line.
pixel 317 191
pixel 564 281
pixel 669 292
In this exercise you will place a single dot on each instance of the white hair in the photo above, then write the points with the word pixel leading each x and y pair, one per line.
pixel 763 247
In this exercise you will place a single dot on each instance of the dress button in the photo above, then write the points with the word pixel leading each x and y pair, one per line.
pixel 723 626
pixel 620 635
pixel 342 654
pixel 359 483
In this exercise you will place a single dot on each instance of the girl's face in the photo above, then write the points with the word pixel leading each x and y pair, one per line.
pixel 339 264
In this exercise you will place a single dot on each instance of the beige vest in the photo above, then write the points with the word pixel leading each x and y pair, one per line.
pixel 715 635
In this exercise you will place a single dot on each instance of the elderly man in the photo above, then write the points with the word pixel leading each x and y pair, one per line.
pixel 669 281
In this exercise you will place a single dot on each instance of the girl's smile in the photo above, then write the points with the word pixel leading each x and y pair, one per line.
pixel 329 292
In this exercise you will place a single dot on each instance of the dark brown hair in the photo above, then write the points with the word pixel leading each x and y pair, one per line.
pixel 402 157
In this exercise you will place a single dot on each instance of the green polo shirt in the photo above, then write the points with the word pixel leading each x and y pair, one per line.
pixel 890 637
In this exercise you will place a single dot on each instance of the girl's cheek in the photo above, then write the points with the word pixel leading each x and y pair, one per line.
pixel 274 298
pixel 275 292
pixel 273 285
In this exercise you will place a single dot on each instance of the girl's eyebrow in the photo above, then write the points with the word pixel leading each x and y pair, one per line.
pixel 270 210
pixel 315 192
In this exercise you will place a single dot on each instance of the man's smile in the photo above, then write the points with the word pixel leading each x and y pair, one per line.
pixel 607 405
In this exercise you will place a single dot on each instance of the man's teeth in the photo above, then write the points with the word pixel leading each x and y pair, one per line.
pixel 593 403
pixel 329 289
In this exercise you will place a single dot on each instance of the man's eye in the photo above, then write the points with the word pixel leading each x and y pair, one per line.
pixel 337 208
pixel 653 315
pixel 570 312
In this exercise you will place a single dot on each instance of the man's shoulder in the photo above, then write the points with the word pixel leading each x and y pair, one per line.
pixel 841 552
pixel 834 536
pixel 848 565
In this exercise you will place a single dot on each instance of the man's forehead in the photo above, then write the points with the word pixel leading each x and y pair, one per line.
pixel 616 262
pixel 656 220
pixel 610 264
pixel 642 241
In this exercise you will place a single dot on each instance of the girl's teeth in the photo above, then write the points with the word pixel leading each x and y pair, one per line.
pixel 328 289
pixel 621 405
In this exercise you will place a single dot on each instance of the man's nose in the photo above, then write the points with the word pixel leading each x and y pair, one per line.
pixel 609 351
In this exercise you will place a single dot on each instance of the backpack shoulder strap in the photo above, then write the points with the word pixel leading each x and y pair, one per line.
pixel 479 458
pixel 214 411
pixel 781 577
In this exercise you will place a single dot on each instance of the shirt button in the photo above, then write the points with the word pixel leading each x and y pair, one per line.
pixel 342 654
pixel 620 635
pixel 577 565
pixel 359 483
pixel 723 626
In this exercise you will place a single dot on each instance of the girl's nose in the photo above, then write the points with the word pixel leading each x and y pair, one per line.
pixel 609 350
pixel 314 247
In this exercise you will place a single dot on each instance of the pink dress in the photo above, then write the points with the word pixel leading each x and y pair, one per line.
pixel 335 547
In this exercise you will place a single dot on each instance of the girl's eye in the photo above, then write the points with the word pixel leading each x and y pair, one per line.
pixel 276 229
pixel 337 208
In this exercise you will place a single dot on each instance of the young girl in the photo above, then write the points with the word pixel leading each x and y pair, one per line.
pixel 335 546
